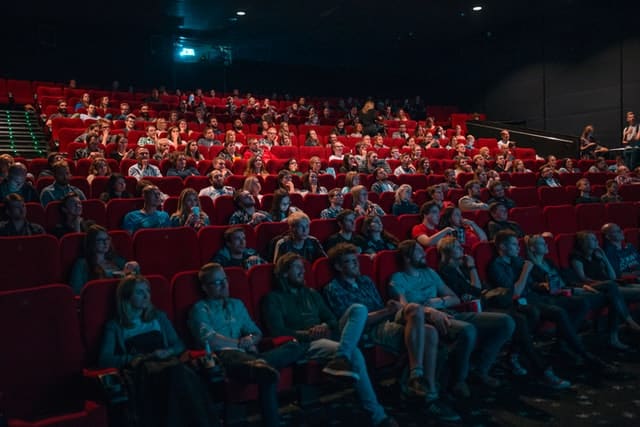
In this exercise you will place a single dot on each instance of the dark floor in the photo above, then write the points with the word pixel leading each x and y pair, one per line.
pixel 592 401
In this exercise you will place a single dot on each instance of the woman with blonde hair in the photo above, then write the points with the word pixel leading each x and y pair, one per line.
pixel 350 180
pixel 362 206
pixel 141 337
pixel 253 186
pixel 189 212
pixel 403 203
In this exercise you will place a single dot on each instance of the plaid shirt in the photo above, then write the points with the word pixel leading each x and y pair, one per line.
pixel 340 295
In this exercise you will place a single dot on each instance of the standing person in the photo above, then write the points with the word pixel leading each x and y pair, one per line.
pixel 417 283
pixel 140 334
pixel 293 309
pixel 393 325
pixel 223 324
pixel 631 140
pixel 460 274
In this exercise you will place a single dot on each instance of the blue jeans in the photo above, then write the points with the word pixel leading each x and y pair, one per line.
pixel 351 326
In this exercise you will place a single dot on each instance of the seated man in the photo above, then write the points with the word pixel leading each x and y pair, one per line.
pixel 408 329
pixel 92 150
pixel 150 138
pixel 16 214
pixel 150 216
pixel 298 240
pixel 223 325
pixel 246 212
pixel 472 202
pixel 336 198
pixel 235 252
pixel 419 284
pixel 61 186
pixel 406 166
pixel 217 187
pixel 382 183
pixel 292 309
pixel 547 179
pixel 143 167
pixel 427 233
pixel 500 221
pixel 496 190
pixel 623 256
pixel 16 182
pixel 346 222
pixel 208 138
pixel 584 188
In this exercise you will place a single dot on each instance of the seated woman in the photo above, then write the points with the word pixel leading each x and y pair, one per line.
pixel 253 186
pixel 312 139
pixel 460 274
pixel 292 166
pixel 377 238
pixel 310 184
pixel 349 164
pixel 362 206
pixel 191 150
pixel 466 231
pixel 351 180
pixel 179 166
pixel 595 275
pixel 99 261
pixel 403 203
pixel 337 151
pixel 284 181
pixel 71 217
pixel 99 167
pixel 569 167
pixel 122 151
pixel 116 188
pixel 281 206
pixel 188 212
pixel 140 335
pixel 174 137
pixel 256 166
pixel 519 167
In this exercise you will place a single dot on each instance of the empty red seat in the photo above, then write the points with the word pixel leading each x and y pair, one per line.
pixel 523 179
pixel 29 261
pixel 549 196
pixel 624 214
pixel 43 358
pixel 590 216
pixel 524 196
pixel 224 208
pixel 321 229
pixel 529 218
pixel 385 263
pixel 166 251
pixel 565 243
pixel 118 208
pixel 265 234
pixel 483 253
pixel 560 219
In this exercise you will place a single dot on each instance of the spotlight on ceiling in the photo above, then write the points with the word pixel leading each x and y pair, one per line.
pixel 476 8
pixel 241 13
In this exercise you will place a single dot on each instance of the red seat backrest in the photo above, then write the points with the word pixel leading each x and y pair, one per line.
pixel 166 251
pixel 29 261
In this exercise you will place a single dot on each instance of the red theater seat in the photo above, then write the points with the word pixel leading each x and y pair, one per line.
pixel 29 261
pixel 166 251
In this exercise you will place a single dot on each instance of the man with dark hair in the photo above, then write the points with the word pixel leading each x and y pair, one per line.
pixel 392 326
pixel 292 309
pixel 235 252
pixel 547 179
pixel 16 182
pixel 346 222
pixel 16 223
pixel 419 284
pixel 500 221
pixel 222 324
pixel 584 192
pixel 61 187
pixel 472 202
pixel 208 138
pixel 217 187
pixel 246 212
pixel 496 190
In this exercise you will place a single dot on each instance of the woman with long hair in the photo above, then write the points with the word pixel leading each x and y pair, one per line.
pixel 189 212
pixel 403 203
pixel 99 167
pixel 310 184
pixel 192 150
pixel 281 206
pixel 100 261
pixel 142 342
pixel 378 239
pixel 256 166
pixel 116 188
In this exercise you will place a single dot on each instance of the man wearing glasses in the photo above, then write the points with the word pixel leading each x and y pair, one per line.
pixel 143 167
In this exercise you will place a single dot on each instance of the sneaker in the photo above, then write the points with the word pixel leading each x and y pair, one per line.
pixel 552 380
pixel 441 411
pixel 461 390
pixel 516 368
pixel 414 388
pixel 340 367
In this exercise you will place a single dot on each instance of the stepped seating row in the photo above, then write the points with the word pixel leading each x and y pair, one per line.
pixel 155 249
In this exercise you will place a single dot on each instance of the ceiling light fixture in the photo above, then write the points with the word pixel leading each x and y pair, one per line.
pixel 476 8
pixel 241 13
